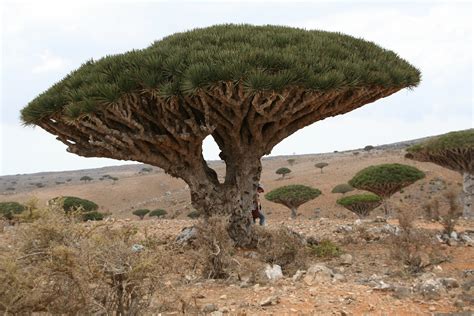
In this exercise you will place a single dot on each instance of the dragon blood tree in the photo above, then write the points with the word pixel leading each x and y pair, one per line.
pixel 249 87
pixel 454 151
pixel 360 204
pixel 386 179
pixel 292 196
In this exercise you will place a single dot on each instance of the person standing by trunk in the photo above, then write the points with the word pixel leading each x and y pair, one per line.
pixel 257 207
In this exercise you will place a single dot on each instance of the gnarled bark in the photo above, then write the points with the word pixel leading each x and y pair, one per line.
pixel 468 192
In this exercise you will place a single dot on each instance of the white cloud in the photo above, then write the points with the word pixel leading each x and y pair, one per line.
pixel 49 62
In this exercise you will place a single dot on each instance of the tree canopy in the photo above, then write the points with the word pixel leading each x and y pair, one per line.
pixel 283 171
pixel 386 179
pixel 71 203
pixel 361 204
pixel 185 62
pixel 292 196
pixel 342 188
pixel 454 150
pixel 8 209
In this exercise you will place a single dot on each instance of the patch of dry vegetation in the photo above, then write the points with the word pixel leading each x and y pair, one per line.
pixel 58 265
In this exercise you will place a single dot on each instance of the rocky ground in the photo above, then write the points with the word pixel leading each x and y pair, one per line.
pixel 362 280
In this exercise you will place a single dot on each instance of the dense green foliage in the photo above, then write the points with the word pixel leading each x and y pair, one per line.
pixel 342 188
pixel 386 177
pixel 259 57
pixel 452 140
pixel 359 198
pixel 292 195
pixel 93 216
pixel 141 213
pixel 8 209
pixel 283 171
pixel 368 148
pixel 71 203
pixel 158 213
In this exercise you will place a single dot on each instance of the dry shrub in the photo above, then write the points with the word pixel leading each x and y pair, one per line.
pixel 215 248
pixel 58 265
pixel 454 211
pixel 414 248
pixel 284 247
pixel 431 209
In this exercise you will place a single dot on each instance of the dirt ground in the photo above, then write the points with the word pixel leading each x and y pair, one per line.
pixel 354 294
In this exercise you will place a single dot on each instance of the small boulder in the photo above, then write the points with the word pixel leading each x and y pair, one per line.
pixel 273 272
pixel 298 275
pixel 317 273
pixel 209 308
pixel 453 235
pixel 431 289
pixel 271 300
pixel 346 259
pixel 449 283
pixel 186 235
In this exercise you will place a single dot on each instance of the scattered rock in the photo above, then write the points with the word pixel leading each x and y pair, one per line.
pixel 186 235
pixel 467 240
pixel 137 248
pixel 449 283
pixel 459 303
pixel 223 297
pixel 344 229
pixel 452 242
pixel 358 222
pixel 317 273
pixel 431 289
pixel 298 275
pixel 209 308
pixel 339 277
pixel 437 269
pixel 346 259
pixel 454 235
pixel 401 292
pixel 380 219
pixel 271 300
pixel 216 313
pixel 273 272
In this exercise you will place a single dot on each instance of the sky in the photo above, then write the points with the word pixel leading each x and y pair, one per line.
pixel 42 41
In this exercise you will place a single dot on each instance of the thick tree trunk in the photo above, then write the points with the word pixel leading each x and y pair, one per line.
pixel 294 213
pixel 233 198
pixel 468 192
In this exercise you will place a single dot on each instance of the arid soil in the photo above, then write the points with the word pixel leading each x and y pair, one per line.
pixel 360 287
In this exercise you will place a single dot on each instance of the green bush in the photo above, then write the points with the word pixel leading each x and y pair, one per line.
pixel 368 148
pixel 194 214
pixel 8 209
pixel 86 179
pixel 141 213
pixel 291 161
pixel 158 213
pixel 361 204
pixel 292 196
pixel 326 249
pixel 386 179
pixel 342 188
pixel 283 171
pixel 93 216
pixel 72 203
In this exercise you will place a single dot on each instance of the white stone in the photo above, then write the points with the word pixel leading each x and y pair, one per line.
pixel 273 272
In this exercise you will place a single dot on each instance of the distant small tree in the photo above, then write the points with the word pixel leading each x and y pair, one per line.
pixel 368 148
pixel 291 161
pixel 386 179
pixel 454 151
pixel 342 188
pixel 9 209
pixel 158 213
pixel 86 179
pixel 114 179
pixel 321 165
pixel 292 196
pixel 146 170
pixel 72 203
pixel 141 213
pixel 283 172
pixel 361 204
